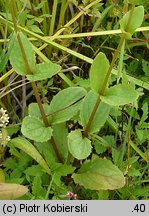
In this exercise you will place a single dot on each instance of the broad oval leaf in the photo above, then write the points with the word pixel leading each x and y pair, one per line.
pixel 43 71
pixel 99 174
pixel 11 191
pixel 119 95
pixel 34 129
pixel 29 149
pixel 33 110
pixel 101 115
pixel 78 146
pixel 66 104
pixel 16 58
pixel 98 72
pixel 135 21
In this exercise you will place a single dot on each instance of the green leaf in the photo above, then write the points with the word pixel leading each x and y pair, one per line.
pixel 16 58
pixel 43 71
pixel 144 116
pixel 78 146
pixel 142 135
pixel 34 129
pixel 60 170
pixel 141 191
pixel 99 148
pixel 29 149
pixel 85 83
pixel 116 156
pixel 16 180
pixel 145 67
pixel 11 191
pixel 133 172
pixel 46 149
pixel 60 133
pixel 107 141
pixel 4 57
pixel 34 111
pixel 98 72
pixel 13 129
pixel 33 170
pixel 103 195
pixel 39 5
pixel 101 115
pixel 66 104
pixel 119 95
pixel 36 29
pixel 37 186
pixel 135 21
pixel 99 174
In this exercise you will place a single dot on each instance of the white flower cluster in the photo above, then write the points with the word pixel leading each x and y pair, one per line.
pixel 4 118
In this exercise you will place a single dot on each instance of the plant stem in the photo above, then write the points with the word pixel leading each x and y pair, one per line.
pixel 52 23
pixel 64 6
pixel 87 128
pixel 49 188
pixel 35 89
pixel 121 43
pixel 142 154
pixel 120 64
pixel 28 67
pixel 130 16
pixel 45 10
